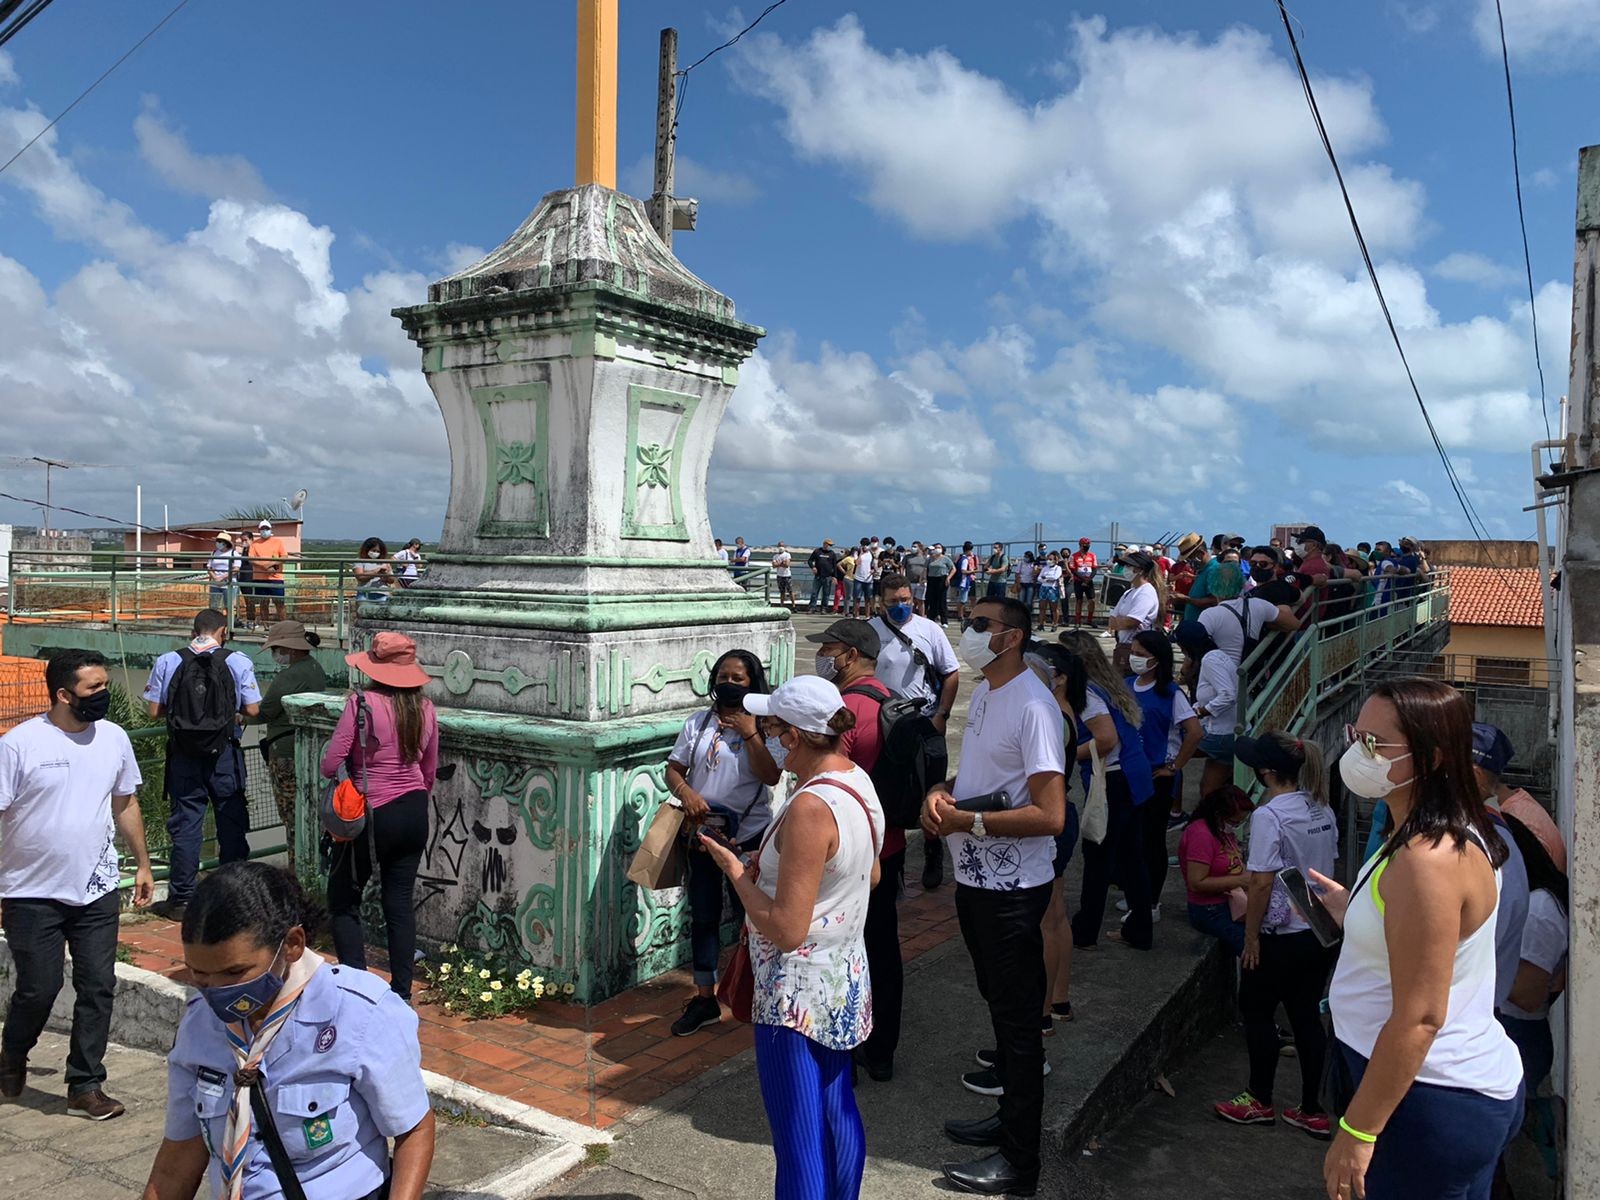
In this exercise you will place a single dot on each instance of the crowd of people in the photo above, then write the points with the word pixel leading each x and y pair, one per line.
pixel 244 574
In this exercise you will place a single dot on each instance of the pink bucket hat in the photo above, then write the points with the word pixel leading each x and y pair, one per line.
pixel 392 660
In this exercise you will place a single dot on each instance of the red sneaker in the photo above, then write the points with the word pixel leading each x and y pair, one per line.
pixel 1245 1109
pixel 1316 1124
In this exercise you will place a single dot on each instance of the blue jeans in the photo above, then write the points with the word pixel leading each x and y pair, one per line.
pixel 1218 922
pixel 707 885
pixel 1440 1144
pixel 1537 1048
pixel 821 591
pixel 192 783
pixel 817 1135
pixel 1025 593
pixel 861 591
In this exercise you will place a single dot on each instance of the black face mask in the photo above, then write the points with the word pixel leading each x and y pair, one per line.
pixel 92 708
pixel 730 695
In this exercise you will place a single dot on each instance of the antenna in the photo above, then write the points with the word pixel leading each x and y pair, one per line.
pixel 49 464
pixel 299 500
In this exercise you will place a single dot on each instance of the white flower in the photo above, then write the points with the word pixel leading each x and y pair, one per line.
pixel 569 989
pixel 486 996
pixel 496 986
pixel 483 974
pixel 444 968
pixel 447 1006
pixel 523 985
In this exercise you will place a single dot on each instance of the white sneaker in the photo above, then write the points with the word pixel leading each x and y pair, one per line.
pixel 1122 905
pixel 1155 913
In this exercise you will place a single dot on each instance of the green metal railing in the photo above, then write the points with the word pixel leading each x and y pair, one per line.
pixel 150 750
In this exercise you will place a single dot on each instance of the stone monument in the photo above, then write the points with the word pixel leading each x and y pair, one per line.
pixel 575 605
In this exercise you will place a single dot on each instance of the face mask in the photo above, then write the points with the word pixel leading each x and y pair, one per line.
pixel 1140 665
pixel 1368 777
pixel 900 613
pixel 730 695
pixel 92 708
pixel 238 1002
pixel 221 547
pixel 780 756
pixel 827 667
pixel 282 657
pixel 373 554
pixel 974 649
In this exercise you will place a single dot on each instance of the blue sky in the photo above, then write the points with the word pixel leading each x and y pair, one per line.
pixel 1034 265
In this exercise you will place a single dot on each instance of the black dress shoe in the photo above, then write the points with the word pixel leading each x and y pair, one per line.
pixel 992 1176
pixel 876 1071
pixel 985 1131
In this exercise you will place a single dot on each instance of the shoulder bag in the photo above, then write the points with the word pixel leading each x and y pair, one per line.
pixel 930 677
pixel 1096 815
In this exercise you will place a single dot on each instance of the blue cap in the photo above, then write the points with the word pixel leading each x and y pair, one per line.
pixel 1491 748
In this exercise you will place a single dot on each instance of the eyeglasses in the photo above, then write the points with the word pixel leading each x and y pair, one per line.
pixel 1368 742
pixel 984 624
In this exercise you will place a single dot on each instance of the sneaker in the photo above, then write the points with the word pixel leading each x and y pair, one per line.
pixel 95 1105
pixel 1155 911
pixel 1047 1025
pixel 1286 1046
pixel 987 1059
pixel 1245 1109
pixel 933 872
pixel 172 910
pixel 697 1014
pixel 1177 819
pixel 13 1074
pixel 1062 1011
pixel 1122 905
pixel 1316 1124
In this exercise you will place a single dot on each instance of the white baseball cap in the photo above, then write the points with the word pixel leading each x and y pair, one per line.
pixel 265 524
pixel 807 702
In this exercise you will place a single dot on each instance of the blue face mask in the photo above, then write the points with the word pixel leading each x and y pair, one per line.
pixel 780 756
pixel 238 1002
pixel 900 613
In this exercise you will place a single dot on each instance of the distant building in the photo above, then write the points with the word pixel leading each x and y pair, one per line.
pixel 1497 626
pixel 187 543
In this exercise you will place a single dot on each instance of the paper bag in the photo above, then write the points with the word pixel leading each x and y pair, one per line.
pixel 659 862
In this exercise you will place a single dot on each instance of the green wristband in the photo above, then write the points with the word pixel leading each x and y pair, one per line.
pixel 1359 1136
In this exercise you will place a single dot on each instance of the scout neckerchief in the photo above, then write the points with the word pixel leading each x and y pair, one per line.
pixel 248 1052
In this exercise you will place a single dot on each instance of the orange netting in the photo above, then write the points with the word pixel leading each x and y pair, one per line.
pixel 21 689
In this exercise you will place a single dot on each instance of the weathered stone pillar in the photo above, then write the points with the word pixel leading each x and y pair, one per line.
pixel 575 605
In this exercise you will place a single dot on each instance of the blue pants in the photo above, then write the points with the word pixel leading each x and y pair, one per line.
pixel 817 1136
pixel 192 783
pixel 1216 920
pixel 821 591
pixel 707 885
pixel 1441 1143
pixel 1537 1048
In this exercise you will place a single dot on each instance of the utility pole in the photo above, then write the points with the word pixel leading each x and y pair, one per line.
pixel 666 137
pixel 1577 639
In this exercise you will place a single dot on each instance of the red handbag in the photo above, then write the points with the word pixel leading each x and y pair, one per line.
pixel 736 989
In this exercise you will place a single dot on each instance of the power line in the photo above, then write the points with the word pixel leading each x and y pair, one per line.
pixel 28 14
pixel 1522 220
pixel 683 75
pixel 78 512
pixel 1474 521
pixel 106 74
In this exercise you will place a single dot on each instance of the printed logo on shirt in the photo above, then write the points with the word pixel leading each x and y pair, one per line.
pixel 319 1132
pixel 1004 859
pixel 326 1039
pixel 53 762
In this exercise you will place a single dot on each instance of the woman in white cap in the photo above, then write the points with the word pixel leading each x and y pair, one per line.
pixel 396 765
pixel 805 900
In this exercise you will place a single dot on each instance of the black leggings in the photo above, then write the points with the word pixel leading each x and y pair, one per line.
pixel 399 831
pixel 1120 854
pixel 1293 971
pixel 884 962
pixel 1154 813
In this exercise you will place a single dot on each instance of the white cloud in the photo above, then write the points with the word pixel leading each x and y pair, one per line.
pixel 1544 177
pixel 1417 18
pixel 693 179
pixel 1541 34
pixel 8 70
pixel 1406 498
pixel 213 176
pixel 221 367
pixel 1466 267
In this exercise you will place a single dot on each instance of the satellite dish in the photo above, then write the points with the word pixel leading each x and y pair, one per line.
pixel 299 500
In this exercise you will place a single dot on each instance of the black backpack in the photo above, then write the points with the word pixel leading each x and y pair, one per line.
pixel 202 701
pixel 914 756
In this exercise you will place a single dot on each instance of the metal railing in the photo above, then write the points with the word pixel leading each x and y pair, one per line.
pixel 150 750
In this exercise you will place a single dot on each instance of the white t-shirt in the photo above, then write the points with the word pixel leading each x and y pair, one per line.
pixel 1217 691
pixel 223 566
pixel 781 561
pixel 1291 830
pixel 1544 944
pixel 898 669
pixel 717 767
pixel 1222 623
pixel 57 839
pixel 1182 710
pixel 1026 572
pixel 410 558
pixel 1095 706
pixel 864 562
pixel 1050 575
pixel 1142 604
pixel 1012 733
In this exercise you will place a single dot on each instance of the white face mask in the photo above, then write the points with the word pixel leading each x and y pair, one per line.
pixel 282 657
pixel 827 667
pixel 780 756
pixel 974 649
pixel 1140 665
pixel 1367 775
pixel 373 554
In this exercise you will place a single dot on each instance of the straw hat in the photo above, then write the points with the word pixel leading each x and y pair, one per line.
pixel 1189 543
pixel 392 661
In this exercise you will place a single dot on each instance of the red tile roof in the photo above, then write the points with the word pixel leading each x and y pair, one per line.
pixel 1496 596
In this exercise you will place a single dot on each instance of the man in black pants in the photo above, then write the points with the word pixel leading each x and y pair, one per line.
pixel 1015 745
pixel 68 784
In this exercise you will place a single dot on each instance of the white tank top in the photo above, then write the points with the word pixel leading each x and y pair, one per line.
pixel 822 989
pixel 1471 1050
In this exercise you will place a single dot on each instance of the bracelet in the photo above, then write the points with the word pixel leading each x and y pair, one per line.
pixel 1359 1136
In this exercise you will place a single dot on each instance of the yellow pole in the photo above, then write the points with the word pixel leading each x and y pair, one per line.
pixel 597 92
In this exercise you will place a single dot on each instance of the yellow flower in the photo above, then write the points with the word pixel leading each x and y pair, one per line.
pixel 539 979
pixel 483 974
pixel 525 973
pixel 538 988
pixel 569 989
pixel 447 1006
pixel 486 996
pixel 496 986
pixel 523 985
pixel 452 948
pixel 444 969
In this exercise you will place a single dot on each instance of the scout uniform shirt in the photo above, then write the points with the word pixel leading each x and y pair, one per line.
pixel 342 1076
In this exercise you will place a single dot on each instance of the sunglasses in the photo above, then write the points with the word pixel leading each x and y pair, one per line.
pixel 985 624
pixel 1368 742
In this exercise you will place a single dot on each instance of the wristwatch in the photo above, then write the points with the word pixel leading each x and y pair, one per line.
pixel 977 826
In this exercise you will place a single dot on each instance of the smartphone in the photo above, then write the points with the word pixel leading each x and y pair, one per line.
pixel 1309 905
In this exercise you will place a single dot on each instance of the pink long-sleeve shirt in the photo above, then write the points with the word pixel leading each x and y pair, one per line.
pixel 388 778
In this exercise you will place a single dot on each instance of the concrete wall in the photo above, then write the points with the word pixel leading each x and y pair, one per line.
pixel 1447 553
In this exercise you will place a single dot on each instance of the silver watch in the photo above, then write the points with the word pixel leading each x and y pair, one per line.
pixel 977 826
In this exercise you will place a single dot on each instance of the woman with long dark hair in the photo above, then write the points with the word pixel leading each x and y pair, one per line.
pixel 1213 866
pixel 373 572
pixel 396 768
pixel 720 772
pixel 1434 1084
pixel 1109 721
pixel 1171 734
